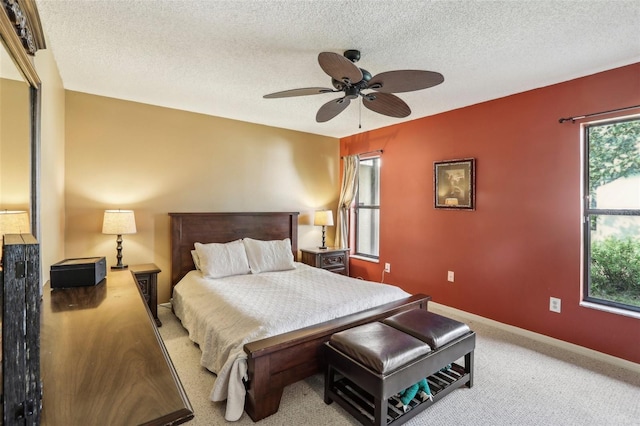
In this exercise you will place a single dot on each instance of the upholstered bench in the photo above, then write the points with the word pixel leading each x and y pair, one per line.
pixel 369 364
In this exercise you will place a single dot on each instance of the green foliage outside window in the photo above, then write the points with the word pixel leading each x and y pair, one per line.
pixel 614 153
pixel 615 270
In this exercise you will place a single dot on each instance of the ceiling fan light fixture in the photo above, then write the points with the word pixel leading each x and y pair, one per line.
pixel 351 92
pixel 348 78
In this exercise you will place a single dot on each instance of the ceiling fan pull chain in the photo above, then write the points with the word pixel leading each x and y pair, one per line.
pixel 360 114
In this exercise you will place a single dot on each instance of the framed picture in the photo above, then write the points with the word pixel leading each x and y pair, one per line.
pixel 455 184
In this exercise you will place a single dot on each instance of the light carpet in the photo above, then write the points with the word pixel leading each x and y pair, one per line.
pixel 518 381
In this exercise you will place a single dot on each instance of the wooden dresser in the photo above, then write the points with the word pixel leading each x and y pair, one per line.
pixel 147 277
pixel 103 361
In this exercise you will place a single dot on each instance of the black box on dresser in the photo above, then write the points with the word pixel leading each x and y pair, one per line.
pixel 78 272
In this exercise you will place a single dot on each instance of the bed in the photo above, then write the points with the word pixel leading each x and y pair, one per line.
pixel 279 360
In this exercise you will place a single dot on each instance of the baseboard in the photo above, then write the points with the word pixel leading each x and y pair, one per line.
pixel 581 350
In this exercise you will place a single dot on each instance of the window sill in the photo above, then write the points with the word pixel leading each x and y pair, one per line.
pixel 366 259
pixel 610 309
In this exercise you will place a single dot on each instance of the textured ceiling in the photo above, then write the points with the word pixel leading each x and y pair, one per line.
pixel 221 57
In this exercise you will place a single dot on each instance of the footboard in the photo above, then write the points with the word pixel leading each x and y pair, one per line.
pixel 278 361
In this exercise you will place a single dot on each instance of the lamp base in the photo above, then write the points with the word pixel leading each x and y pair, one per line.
pixel 119 267
pixel 324 245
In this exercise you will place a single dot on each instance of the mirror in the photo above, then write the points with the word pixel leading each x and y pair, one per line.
pixel 21 35
pixel 20 286
pixel 15 146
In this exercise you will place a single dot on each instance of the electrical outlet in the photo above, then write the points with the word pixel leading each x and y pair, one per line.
pixel 387 267
pixel 450 276
pixel 555 304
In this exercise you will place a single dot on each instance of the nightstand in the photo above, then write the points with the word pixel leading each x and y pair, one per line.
pixel 147 278
pixel 332 259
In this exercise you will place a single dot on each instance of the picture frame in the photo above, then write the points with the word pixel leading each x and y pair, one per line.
pixel 454 184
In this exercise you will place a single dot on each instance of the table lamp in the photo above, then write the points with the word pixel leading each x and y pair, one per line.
pixel 119 222
pixel 13 222
pixel 323 218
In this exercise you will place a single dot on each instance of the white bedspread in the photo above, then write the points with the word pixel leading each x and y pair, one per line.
pixel 223 314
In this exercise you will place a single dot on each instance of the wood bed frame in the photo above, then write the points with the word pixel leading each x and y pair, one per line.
pixel 277 361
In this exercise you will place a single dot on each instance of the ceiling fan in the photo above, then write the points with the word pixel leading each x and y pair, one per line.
pixel 348 78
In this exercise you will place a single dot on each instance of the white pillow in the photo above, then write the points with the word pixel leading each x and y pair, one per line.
pixel 222 260
pixel 266 256
pixel 196 259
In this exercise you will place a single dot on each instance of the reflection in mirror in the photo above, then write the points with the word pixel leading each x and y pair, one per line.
pixel 21 35
pixel 15 155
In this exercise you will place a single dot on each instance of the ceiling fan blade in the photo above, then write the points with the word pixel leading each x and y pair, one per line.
pixel 299 92
pixel 331 109
pixel 404 81
pixel 339 67
pixel 386 104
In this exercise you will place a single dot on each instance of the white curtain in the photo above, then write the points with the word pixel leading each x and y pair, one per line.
pixel 348 192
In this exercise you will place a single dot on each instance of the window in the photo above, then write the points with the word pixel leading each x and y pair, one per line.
pixel 612 213
pixel 368 208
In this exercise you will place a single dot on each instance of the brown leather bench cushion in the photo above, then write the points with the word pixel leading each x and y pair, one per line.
pixel 378 346
pixel 431 328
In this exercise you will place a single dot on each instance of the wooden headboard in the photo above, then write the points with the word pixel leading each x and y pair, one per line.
pixel 189 228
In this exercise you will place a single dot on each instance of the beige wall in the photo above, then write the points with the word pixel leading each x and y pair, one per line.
pixel 156 160
pixel 15 155
pixel 52 146
pixel 15 165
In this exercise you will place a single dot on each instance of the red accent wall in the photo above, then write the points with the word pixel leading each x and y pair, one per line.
pixel 522 244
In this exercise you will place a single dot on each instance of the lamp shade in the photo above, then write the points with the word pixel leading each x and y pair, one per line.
pixel 14 222
pixel 323 217
pixel 119 222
